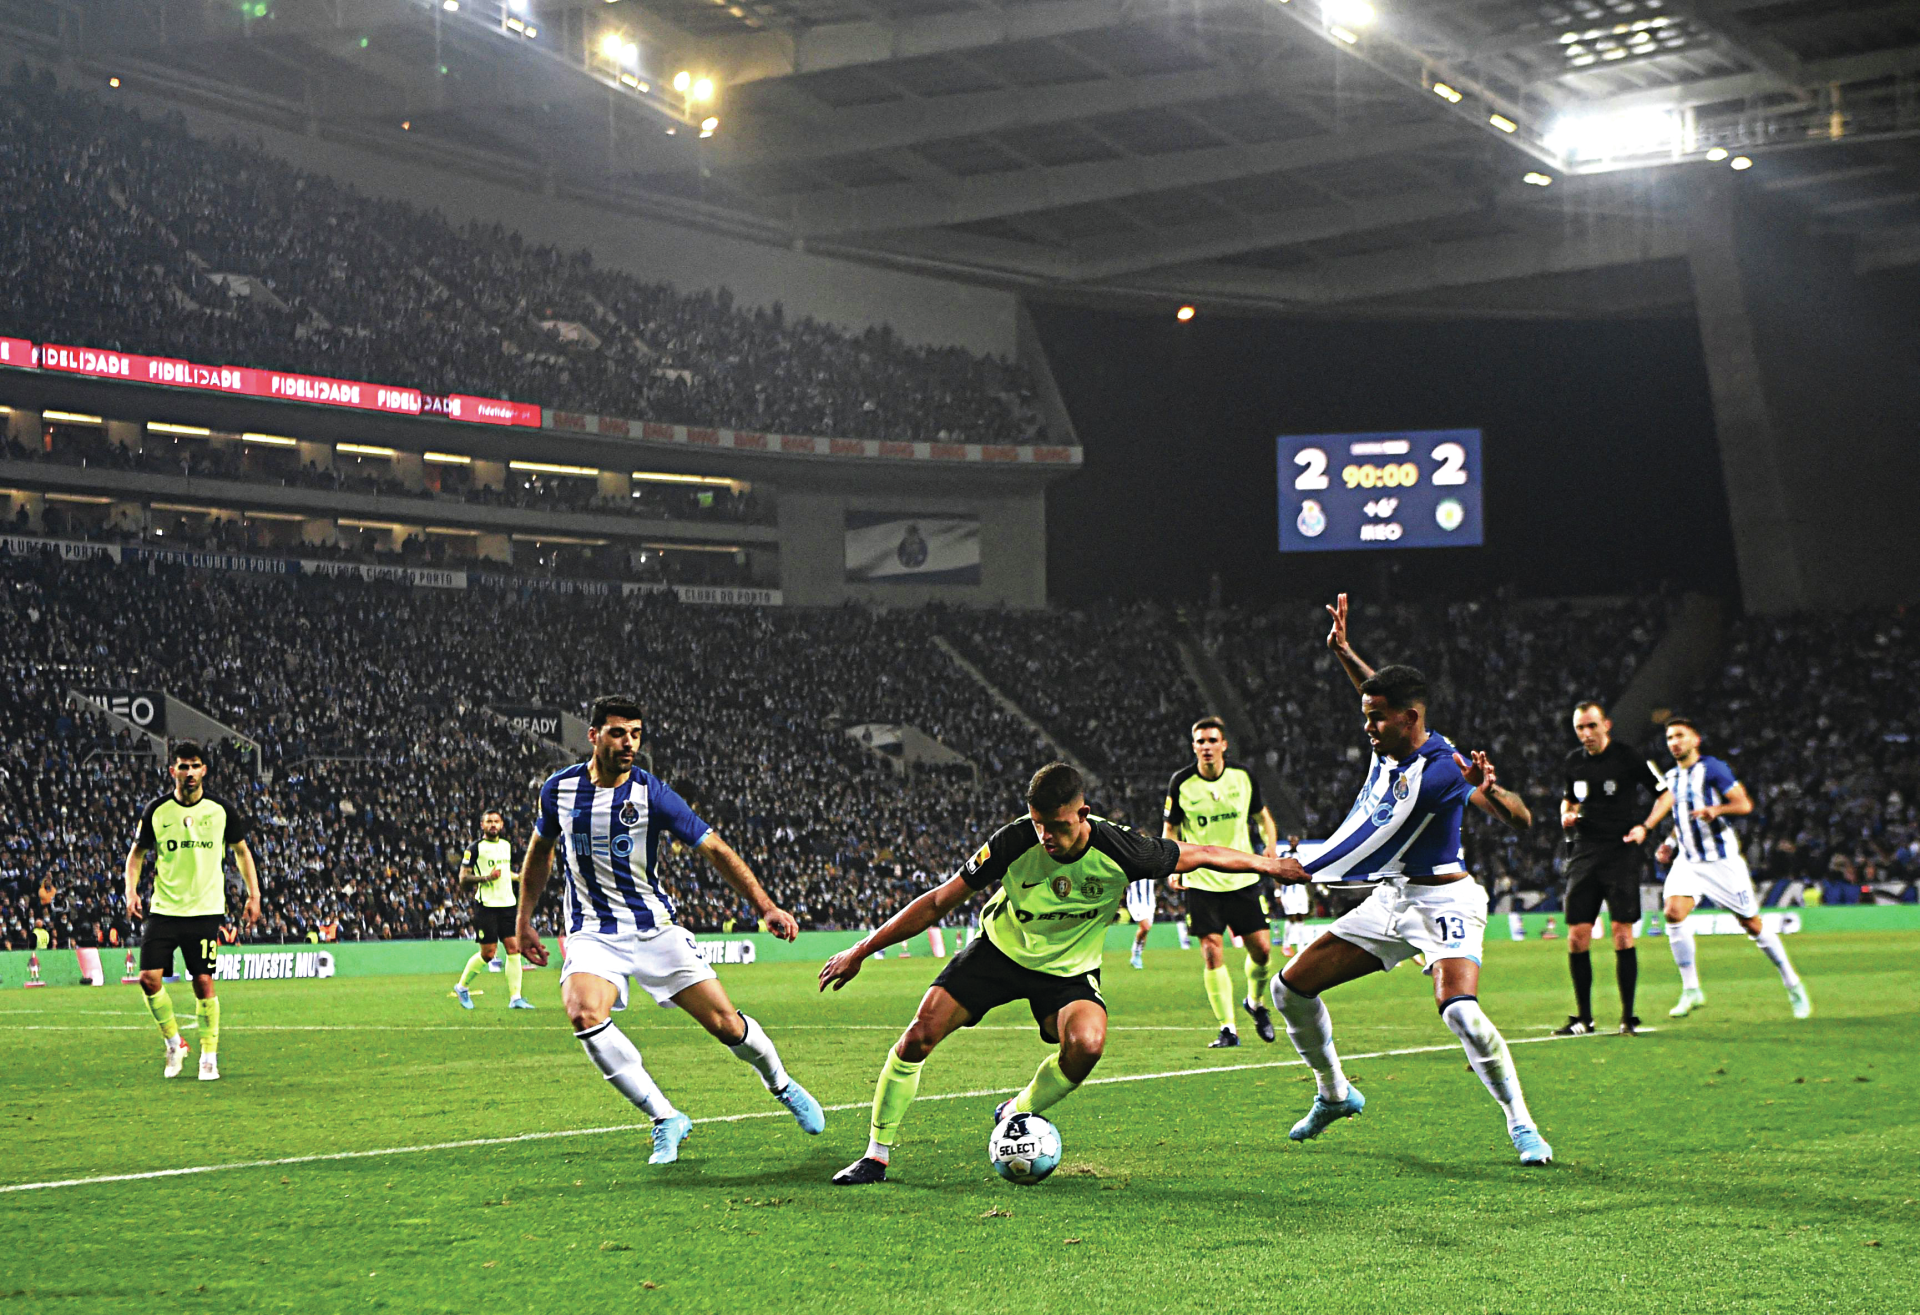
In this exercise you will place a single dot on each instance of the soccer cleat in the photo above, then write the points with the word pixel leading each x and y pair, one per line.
pixel 1797 997
pixel 1262 1020
pixel 176 1056
pixel 861 1171
pixel 1325 1113
pixel 1532 1146
pixel 668 1133
pixel 1630 1026
pixel 209 1068
pixel 1576 1026
pixel 1227 1039
pixel 1135 959
pixel 519 1002
pixel 495 966
pixel 805 1109
pixel 1691 998
pixel 464 996
pixel 1003 1109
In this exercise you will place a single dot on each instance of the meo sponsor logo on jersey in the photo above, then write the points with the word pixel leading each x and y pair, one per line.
pixel 603 846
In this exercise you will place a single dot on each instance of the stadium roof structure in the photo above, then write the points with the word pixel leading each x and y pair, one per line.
pixel 1396 156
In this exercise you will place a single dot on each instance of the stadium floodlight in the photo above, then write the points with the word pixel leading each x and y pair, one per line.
pixel 682 80
pixel 1503 123
pixel 113 82
pixel 1348 13
pixel 709 123
pixel 364 450
pixel 446 458
pixel 71 418
pixel 702 89
pixel 165 427
pixel 547 468
pixel 270 440
pixel 451 6
pixel 518 6
pixel 1615 136
pixel 1740 164
pixel 666 477
pixel 1446 93
pixel 1718 154
pixel 611 44
pixel 1184 314
pixel 1537 179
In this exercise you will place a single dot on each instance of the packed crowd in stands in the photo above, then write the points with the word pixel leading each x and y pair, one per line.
pixel 129 233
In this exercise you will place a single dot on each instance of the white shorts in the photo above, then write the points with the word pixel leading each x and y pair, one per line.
pixel 1295 902
pixel 1725 881
pixel 664 962
pixel 1399 921
pixel 1140 899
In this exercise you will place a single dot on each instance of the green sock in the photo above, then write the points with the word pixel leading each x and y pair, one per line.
pixel 513 975
pixel 477 964
pixel 1259 977
pixel 208 1012
pixel 1220 994
pixel 1049 1087
pixel 160 1005
pixel 899 1083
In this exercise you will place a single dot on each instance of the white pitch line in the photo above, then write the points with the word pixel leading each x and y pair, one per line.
pixel 716 1118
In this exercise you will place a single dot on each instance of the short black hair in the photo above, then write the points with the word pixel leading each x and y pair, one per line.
pixel 485 813
pixel 1055 786
pixel 1401 686
pixel 1688 722
pixel 614 705
pixel 1213 722
pixel 1595 704
pixel 186 751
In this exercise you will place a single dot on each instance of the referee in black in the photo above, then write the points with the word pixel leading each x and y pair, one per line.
pixel 1601 804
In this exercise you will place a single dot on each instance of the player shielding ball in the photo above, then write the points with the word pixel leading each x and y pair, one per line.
pixel 487 870
pixel 1061 874
pixel 188 831
pixel 607 822
pixel 1404 832
pixel 1700 793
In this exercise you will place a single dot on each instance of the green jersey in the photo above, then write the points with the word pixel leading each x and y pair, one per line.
pixel 492 862
pixel 1216 812
pixel 1052 916
pixel 189 845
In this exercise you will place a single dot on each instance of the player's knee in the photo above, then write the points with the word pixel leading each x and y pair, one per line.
pixel 1677 911
pixel 584 1014
pixel 1079 1052
pixel 917 1042
pixel 1579 938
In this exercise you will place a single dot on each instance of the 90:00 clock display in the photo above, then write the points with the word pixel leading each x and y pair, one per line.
pixel 1435 475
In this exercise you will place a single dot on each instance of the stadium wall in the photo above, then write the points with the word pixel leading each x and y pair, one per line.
pixel 920 309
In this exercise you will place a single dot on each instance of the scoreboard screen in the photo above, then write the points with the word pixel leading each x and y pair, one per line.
pixel 1410 489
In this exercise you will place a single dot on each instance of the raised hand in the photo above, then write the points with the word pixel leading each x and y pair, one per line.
pixel 1479 773
pixel 1337 636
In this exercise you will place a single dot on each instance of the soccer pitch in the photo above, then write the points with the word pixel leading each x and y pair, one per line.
pixel 1734 1160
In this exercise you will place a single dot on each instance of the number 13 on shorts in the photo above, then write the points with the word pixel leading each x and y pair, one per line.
pixel 1449 927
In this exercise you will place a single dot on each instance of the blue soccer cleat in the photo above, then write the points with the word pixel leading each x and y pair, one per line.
pixel 805 1109
pixel 519 1002
pixel 1325 1113
pixel 1532 1146
pixel 1135 958
pixel 464 996
pixel 1003 1109
pixel 668 1133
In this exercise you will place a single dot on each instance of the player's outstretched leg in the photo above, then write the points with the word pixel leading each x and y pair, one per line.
pixel 1769 945
pixel 709 1006
pixel 619 1060
pixel 1082 1029
pixel 1310 1028
pixel 1487 1052
pixel 1680 941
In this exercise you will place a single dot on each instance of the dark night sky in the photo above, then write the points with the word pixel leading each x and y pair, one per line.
pixel 1602 474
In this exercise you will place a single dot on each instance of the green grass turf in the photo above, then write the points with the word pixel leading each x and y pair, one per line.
pixel 1735 1160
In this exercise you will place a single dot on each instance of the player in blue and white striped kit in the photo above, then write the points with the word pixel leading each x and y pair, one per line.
pixel 606 821
pixel 1701 794
pixel 1404 833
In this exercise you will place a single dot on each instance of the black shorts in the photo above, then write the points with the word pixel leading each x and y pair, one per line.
pixel 495 922
pixel 1210 912
pixel 1608 874
pixel 982 978
pixel 197 938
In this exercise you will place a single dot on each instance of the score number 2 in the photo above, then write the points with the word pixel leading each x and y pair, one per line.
pixel 1313 467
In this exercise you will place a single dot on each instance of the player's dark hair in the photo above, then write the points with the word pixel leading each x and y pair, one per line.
pixel 1210 722
pixel 485 813
pixel 614 705
pixel 1054 786
pixel 186 751
pixel 1401 686
pixel 1688 722
pixel 1595 704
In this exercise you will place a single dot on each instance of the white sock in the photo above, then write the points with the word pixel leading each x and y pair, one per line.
pixel 1769 943
pixel 1310 1029
pixel 1516 927
pixel 607 1046
pixel 756 1049
pixel 1680 941
pixel 875 1151
pixel 1487 1052
pixel 1180 929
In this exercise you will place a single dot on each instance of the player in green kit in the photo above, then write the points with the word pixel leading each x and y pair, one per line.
pixel 1215 802
pixel 487 869
pixel 1062 873
pixel 188 832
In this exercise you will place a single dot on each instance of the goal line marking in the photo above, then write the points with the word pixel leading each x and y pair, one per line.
pixel 472 1142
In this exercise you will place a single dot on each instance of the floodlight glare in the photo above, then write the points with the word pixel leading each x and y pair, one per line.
pixel 630 55
pixel 1184 314
pixel 1740 164
pixel 1718 154
pixel 610 45
pixel 703 89
pixel 1503 123
pixel 709 123
pixel 1537 179
pixel 1348 13
pixel 517 6
pixel 1613 136
pixel 451 6
pixel 1446 93
pixel 682 80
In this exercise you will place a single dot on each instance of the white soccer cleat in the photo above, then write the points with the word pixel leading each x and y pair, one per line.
pixel 176 1057
pixel 209 1068
pixel 1797 997
pixel 1691 998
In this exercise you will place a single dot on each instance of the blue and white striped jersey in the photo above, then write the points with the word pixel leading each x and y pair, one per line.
pixel 1406 822
pixel 1695 787
pixel 609 842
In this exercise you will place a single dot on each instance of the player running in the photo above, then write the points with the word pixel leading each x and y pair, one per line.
pixel 1214 802
pixel 1699 792
pixel 1404 832
pixel 607 821
pixel 1603 784
pixel 1141 897
pixel 1062 872
pixel 188 831
pixel 487 868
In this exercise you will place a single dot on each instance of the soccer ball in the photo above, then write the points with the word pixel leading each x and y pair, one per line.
pixel 1024 1148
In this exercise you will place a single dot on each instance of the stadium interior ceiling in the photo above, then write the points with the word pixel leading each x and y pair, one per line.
pixel 1406 157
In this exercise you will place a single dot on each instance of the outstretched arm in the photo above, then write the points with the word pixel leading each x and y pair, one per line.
pixel 909 922
pixel 1492 798
pixel 734 871
pixel 1221 859
pixel 1357 671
